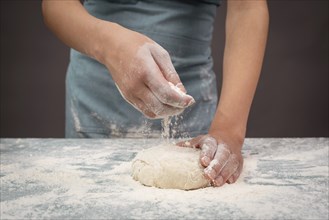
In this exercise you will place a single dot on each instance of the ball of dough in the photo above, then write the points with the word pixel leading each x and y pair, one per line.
pixel 170 167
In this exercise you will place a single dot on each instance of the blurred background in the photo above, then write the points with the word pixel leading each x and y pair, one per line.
pixel 291 99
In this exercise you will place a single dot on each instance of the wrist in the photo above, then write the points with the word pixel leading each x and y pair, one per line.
pixel 234 140
pixel 229 129
pixel 106 45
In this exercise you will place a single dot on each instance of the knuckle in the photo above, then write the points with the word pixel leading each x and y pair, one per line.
pixel 225 176
pixel 222 155
pixel 209 141
pixel 143 74
pixel 172 76
pixel 217 165
pixel 234 158
pixel 223 146
pixel 235 164
pixel 226 152
pixel 207 150
pixel 164 53
pixel 132 86
pixel 135 93
pixel 168 97
pixel 228 171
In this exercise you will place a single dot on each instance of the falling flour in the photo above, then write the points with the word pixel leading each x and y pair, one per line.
pixel 165 123
pixel 167 165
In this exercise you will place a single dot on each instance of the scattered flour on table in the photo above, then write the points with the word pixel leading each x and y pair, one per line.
pixel 273 183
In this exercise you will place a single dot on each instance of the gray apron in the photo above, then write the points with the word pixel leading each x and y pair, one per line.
pixel 94 106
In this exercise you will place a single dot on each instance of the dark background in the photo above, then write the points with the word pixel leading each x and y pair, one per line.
pixel 291 99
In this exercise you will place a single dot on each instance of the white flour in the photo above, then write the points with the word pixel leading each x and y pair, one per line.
pixel 279 180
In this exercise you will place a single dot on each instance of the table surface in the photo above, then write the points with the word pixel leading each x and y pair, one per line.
pixel 90 179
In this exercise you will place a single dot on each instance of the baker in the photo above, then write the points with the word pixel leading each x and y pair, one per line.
pixel 134 61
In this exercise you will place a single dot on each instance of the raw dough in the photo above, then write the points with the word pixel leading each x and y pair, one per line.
pixel 169 166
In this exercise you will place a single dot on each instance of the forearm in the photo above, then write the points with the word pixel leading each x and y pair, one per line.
pixel 75 26
pixel 246 34
pixel 140 68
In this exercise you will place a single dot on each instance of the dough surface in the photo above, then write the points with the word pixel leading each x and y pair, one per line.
pixel 169 166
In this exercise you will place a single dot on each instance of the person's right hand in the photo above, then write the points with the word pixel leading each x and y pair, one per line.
pixel 141 69
pixel 144 74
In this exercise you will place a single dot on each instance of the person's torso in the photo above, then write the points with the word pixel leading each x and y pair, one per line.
pixel 94 106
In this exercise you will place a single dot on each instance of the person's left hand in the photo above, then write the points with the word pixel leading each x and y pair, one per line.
pixel 222 160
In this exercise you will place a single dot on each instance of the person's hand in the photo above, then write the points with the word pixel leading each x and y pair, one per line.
pixel 145 75
pixel 223 162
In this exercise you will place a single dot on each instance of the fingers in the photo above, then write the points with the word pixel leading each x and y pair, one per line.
pixel 151 107
pixel 222 166
pixel 167 94
pixel 166 91
pixel 234 177
pixel 208 149
pixel 162 58
pixel 159 109
pixel 193 143
pixel 228 170
pixel 216 165
pixel 225 167
pixel 156 75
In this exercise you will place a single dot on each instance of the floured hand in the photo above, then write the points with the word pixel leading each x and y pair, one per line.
pixel 145 75
pixel 222 162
